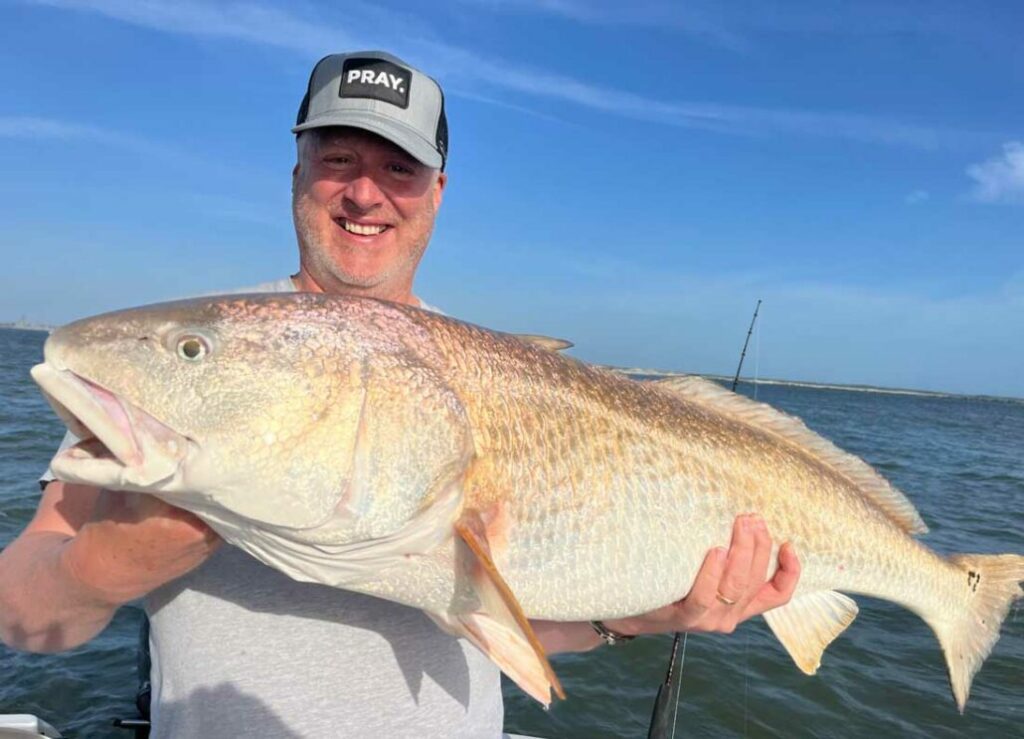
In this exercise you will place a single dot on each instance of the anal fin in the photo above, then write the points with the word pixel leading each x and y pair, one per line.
pixel 497 625
pixel 808 624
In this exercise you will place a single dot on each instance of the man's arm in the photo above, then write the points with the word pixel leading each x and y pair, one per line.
pixel 737 575
pixel 84 554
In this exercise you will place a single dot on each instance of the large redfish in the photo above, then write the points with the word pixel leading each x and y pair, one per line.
pixel 486 479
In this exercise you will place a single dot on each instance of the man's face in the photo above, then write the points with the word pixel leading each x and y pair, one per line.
pixel 364 210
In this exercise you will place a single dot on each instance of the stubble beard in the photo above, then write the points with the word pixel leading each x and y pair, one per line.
pixel 315 253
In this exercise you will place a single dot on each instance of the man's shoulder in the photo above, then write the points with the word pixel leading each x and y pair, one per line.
pixel 432 308
pixel 283 285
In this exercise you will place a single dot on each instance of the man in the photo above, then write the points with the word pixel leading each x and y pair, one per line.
pixel 239 649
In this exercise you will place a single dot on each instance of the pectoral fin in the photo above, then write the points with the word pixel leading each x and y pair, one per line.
pixel 497 625
pixel 808 624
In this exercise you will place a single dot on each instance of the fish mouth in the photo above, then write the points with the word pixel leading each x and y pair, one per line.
pixel 122 447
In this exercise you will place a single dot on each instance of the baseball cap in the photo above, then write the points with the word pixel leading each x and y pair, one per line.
pixel 380 93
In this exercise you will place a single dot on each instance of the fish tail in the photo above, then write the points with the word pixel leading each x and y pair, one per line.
pixel 991 584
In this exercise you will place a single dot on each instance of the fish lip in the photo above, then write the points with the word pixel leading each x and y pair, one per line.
pixel 142 450
pixel 117 412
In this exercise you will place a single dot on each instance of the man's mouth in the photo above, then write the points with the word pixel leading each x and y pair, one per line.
pixel 362 229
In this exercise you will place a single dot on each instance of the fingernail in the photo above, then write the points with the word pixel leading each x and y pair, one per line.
pixel 720 555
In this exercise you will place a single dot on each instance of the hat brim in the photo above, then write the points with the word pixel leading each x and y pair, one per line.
pixel 395 132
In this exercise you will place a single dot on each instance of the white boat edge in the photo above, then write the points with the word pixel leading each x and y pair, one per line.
pixel 22 725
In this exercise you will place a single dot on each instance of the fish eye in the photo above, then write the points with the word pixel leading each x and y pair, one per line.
pixel 192 348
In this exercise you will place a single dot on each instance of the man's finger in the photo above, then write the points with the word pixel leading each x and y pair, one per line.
pixel 759 561
pixel 777 592
pixel 702 594
pixel 786 577
pixel 736 578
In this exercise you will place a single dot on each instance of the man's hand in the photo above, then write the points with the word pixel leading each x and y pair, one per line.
pixel 730 587
pixel 84 554
pixel 135 543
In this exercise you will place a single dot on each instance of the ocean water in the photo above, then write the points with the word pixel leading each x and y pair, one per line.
pixel 961 460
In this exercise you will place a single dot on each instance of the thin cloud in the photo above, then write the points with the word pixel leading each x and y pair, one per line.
pixel 39 128
pixel 916 197
pixel 738 24
pixel 271 26
pixel 703 23
pixel 36 128
pixel 259 24
pixel 30 127
pixel 256 23
pixel 468 95
pixel 729 119
pixel 1001 178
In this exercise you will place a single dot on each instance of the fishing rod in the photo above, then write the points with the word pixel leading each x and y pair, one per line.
pixel 736 379
pixel 669 691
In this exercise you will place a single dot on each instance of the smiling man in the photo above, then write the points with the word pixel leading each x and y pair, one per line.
pixel 372 143
pixel 239 649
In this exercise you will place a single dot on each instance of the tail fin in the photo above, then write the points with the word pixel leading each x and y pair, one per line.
pixel 992 583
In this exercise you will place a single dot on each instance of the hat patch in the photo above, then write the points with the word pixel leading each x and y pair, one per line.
pixel 376 79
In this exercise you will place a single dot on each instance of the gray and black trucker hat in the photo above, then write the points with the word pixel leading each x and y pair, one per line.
pixel 378 92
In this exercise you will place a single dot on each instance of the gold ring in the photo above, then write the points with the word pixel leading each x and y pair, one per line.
pixel 723 599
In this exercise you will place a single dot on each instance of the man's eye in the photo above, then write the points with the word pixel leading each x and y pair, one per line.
pixel 401 169
pixel 337 160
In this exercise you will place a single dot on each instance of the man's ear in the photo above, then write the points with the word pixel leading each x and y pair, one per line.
pixel 295 175
pixel 442 180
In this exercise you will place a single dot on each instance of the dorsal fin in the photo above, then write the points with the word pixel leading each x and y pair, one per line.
pixel 545 342
pixel 708 393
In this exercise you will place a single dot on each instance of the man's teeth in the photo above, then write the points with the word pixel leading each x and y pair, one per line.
pixel 362 230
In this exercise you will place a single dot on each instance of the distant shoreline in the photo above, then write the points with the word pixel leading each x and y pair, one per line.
pixel 19 326
pixel 817 385
pixel 26 326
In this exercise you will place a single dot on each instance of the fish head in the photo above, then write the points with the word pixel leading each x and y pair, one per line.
pixel 247 404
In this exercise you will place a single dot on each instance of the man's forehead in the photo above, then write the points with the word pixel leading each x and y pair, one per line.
pixel 350 136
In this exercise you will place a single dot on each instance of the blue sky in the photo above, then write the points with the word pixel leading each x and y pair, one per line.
pixel 633 180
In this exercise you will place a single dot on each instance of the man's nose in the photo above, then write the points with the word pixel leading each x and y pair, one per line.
pixel 364 193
